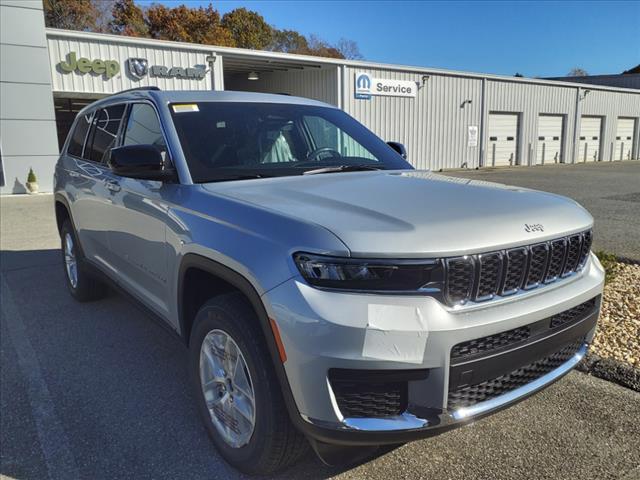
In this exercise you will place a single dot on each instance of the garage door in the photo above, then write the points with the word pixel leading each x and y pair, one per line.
pixel 549 148
pixel 624 139
pixel 503 139
pixel 589 144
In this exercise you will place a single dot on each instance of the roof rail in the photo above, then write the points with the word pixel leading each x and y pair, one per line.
pixel 152 87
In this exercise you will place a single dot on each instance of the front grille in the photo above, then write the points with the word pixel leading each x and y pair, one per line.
pixel 470 395
pixel 569 316
pixel 491 344
pixel 483 276
pixel 357 399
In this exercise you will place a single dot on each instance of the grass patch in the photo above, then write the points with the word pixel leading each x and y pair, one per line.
pixel 609 262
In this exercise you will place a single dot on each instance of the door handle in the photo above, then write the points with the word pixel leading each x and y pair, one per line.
pixel 112 185
pixel 73 174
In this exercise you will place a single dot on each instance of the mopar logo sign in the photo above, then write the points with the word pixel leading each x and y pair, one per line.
pixel 363 86
pixel 366 86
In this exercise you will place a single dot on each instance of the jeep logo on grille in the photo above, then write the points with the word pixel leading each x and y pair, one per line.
pixel 533 227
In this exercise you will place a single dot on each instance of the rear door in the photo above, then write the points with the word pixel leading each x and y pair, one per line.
pixel 549 148
pixel 503 139
pixel 624 139
pixel 88 178
pixel 137 218
pixel 590 137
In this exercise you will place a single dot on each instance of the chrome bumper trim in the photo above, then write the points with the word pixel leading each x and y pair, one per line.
pixel 524 391
pixel 408 421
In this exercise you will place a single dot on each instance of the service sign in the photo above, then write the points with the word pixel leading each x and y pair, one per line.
pixel 366 86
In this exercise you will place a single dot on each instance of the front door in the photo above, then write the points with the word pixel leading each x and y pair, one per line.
pixel 137 221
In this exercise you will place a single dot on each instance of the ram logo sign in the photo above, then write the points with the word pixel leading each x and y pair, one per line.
pixel 366 86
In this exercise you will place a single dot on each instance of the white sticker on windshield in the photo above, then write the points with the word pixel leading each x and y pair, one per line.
pixel 185 107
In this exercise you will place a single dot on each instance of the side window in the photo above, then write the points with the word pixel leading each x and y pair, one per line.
pixel 104 133
pixel 78 135
pixel 143 127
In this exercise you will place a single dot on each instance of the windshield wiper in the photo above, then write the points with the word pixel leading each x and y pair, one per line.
pixel 248 176
pixel 343 168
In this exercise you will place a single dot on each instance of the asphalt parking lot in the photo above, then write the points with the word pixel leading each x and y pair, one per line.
pixel 610 191
pixel 100 391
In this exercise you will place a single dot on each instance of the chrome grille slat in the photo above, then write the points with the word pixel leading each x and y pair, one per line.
pixel 481 277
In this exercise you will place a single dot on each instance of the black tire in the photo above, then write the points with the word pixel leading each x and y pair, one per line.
pixel 88 288
pixel 275 443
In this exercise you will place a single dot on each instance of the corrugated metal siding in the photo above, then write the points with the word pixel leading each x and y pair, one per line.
pixel 109 49
pixel 530 101
pixel 318 84
pixel 612 105
pixel 433 126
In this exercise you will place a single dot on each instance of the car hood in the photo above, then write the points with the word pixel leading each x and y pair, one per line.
pixel 407 214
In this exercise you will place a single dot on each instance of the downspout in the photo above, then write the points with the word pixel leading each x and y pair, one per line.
pixel 483 108
pixel 576 131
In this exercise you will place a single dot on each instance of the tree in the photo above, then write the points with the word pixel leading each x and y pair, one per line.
pixel 184 24
pixel 128 19
pixel 71 15
pixel 289 41
pixel 248 29
pixel 518 75
pixel 321 48
pixel 349 49
pixel 577 72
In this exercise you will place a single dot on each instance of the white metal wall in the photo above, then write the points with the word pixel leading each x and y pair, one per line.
pixel 121 49
pixel 433 125
pixel 611 105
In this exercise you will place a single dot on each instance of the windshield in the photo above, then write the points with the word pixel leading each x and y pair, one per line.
pixel 229 140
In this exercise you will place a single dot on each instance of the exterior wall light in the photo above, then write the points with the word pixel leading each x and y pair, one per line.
pixel 253 76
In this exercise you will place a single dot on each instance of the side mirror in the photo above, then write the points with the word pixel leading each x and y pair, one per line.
pixel 140 161
pixel 400 148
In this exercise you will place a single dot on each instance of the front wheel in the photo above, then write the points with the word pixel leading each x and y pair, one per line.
pixel 236 389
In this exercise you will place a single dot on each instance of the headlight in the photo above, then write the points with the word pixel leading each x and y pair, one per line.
pixel 371 275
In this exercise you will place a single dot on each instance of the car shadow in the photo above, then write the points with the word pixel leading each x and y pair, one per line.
pixel 118 382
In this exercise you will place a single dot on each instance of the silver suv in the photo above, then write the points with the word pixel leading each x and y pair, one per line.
pixel 325 289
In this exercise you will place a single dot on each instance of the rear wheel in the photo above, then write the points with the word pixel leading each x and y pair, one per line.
pixel 82 285
pixel 237 392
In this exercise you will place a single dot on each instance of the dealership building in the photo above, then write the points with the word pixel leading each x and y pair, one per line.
pixel 446 119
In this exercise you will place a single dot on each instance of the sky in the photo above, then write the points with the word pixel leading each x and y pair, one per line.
pixel 536 39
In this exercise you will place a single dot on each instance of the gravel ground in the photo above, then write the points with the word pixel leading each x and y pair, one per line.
pixel 618 335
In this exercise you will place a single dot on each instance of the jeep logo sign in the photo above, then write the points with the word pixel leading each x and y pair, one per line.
pixel 366 86
pixel 108 68
pixel 137 68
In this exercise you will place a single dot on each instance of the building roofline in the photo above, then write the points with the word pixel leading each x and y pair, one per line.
pixel 296 58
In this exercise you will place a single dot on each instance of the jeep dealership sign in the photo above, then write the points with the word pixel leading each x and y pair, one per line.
pixel 366 86
pixel 138 68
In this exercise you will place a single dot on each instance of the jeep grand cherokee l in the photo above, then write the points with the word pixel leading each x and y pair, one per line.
pixel 326 290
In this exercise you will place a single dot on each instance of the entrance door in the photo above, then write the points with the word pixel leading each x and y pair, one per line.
pixel 590 134
pixel 503 139
pixel 549 148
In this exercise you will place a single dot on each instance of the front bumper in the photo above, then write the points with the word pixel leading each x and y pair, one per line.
pixel 324 330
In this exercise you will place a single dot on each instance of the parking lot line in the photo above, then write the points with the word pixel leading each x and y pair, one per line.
pixel 53 439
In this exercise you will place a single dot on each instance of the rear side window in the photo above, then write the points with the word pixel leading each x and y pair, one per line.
pixel 143 127
pixel 104 133
pixel 79 134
